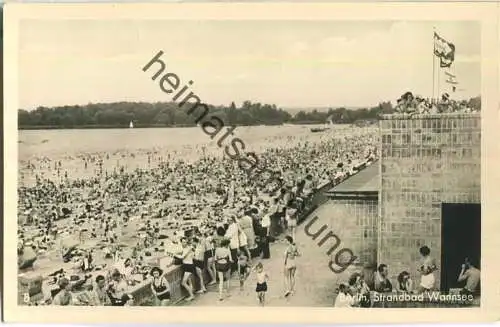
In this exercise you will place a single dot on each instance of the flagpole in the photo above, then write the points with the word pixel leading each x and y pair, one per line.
pixel 433 63
pixel 438 91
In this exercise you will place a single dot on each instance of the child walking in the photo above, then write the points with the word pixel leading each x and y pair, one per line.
pixel 262 278
pixel 242 268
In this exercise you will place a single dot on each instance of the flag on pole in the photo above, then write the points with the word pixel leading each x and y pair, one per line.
pixel 444 50
pixel 451 79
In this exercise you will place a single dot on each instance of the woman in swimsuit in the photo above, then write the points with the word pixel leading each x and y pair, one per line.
pixel 261 288
pixel 291 253
pixel 160 287
pixel 427 269
pixel 187 267
pixel 199 262
pixel 223 264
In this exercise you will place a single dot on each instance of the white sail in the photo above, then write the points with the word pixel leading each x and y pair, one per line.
pixel 131 125
pixel 330 121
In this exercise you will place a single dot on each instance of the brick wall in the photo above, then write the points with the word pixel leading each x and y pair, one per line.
pixel 355 223
pixel 426 160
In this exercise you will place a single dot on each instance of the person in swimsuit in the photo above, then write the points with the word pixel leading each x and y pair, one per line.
pixel 291 217
pixel 261 288
pixel 243 268
pixel 223 264
pixel 247 234
pixel 176 250
pixel 291 253
pixel 199 262
pixel 187 267
pixel 126 268
pixel 405 283
pixel 208 257
pixel 427 269
pixel 160 287
pixel 117 290
pixel 243 243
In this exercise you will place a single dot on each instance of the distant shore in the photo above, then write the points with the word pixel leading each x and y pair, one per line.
pixel 124 126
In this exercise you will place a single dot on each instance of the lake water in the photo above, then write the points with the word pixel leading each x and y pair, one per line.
pixel 57 143
pixel 131 147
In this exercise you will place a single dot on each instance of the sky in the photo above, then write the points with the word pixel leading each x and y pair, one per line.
pixel 287 63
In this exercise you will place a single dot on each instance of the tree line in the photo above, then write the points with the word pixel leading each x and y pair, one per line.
pixel 169 114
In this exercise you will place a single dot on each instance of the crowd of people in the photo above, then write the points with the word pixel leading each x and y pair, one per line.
pixel 93 238
pixel 373 288
pixel 411 104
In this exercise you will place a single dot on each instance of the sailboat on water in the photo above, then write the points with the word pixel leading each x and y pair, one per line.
pixel 328 125
pixel 131 125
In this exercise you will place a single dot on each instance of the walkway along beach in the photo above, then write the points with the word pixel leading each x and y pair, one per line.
pixel 142 292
